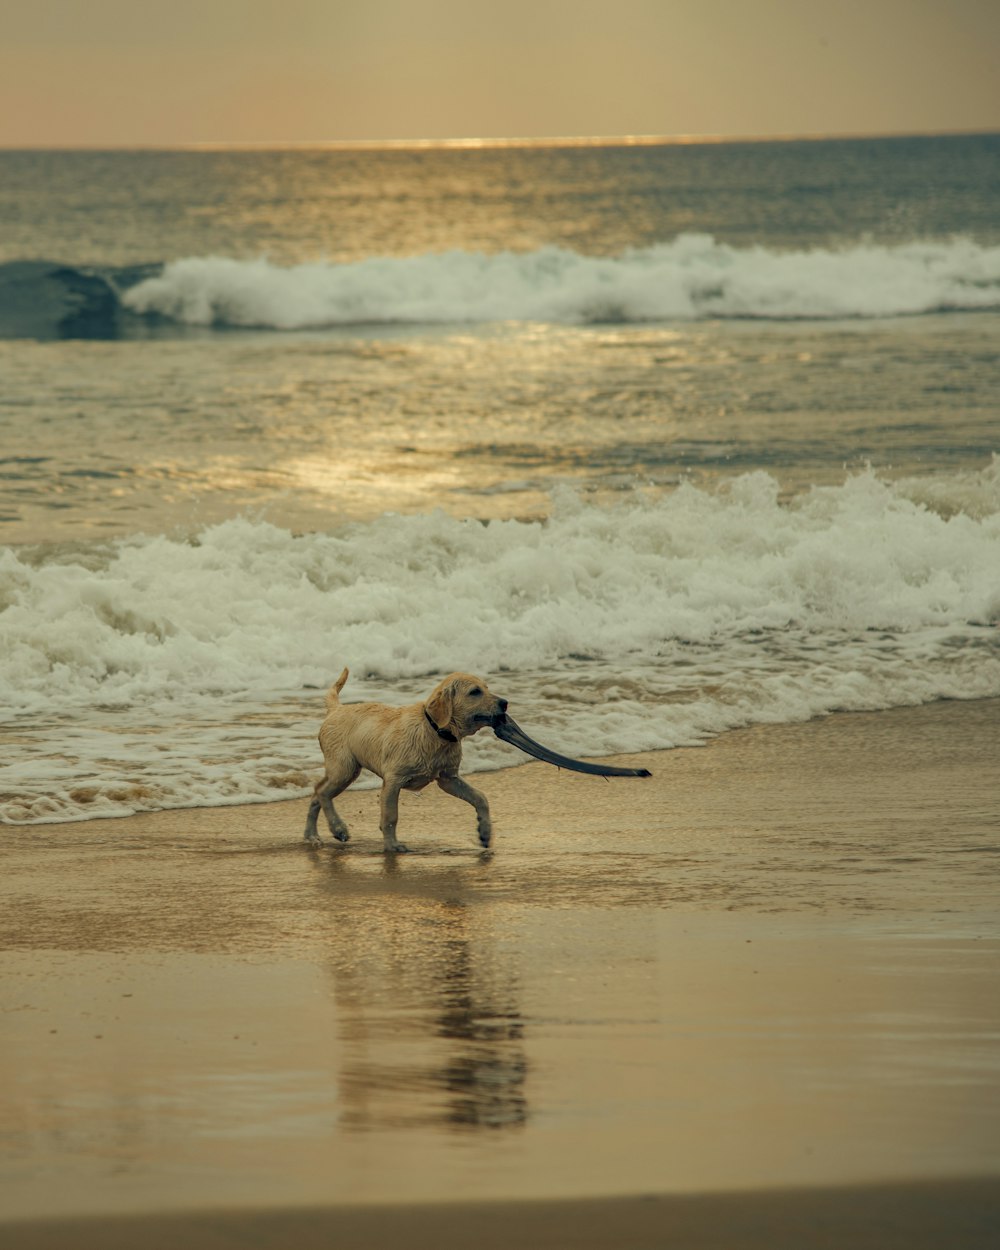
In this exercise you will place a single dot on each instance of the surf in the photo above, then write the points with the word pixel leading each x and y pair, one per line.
pixel 168 670
pixel 693 277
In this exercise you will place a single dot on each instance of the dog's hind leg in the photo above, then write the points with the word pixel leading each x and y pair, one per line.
pixel 326 791
pixel 312 834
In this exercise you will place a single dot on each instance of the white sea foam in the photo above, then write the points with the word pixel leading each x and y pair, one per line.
pixel 692 277
pixel 165 671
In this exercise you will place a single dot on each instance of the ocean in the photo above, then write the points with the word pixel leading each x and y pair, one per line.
pixel 663 440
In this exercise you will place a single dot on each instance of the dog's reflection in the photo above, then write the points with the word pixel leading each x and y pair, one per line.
pixel 429 1029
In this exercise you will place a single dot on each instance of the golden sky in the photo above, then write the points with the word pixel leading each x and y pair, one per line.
pixel 128 72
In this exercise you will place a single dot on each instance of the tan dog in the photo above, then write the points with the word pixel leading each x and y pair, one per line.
pixel 408 747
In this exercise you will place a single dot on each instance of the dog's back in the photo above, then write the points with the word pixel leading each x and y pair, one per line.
pixel 367 734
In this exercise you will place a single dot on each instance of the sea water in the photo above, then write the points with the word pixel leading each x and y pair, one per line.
pixel 661 440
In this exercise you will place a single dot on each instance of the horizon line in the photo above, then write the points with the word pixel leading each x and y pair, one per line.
pixel 490 142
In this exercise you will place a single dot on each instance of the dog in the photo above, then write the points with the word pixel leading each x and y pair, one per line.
pixel 408 747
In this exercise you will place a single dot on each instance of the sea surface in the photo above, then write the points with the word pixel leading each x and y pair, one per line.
pixel 663 440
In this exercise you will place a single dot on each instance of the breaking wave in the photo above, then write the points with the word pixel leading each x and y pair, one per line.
pixel 690 278
pixel 170 672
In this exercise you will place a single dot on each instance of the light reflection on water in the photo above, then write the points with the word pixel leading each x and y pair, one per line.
pixel 297 204
pixel 309 431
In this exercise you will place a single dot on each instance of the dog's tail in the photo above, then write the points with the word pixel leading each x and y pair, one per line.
pixel 333 694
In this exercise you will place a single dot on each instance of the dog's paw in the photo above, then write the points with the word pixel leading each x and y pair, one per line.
pixel 397 848
pixel 341 835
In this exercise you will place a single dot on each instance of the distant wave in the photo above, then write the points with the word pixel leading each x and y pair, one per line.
pixel 691 278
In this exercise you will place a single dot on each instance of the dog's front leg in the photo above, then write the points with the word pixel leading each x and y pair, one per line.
pixel 389 806
pixel 462 790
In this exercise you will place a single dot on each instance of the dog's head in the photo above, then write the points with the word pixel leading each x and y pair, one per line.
pixel 462 705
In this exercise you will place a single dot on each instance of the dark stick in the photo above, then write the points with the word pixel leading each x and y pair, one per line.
pixel 509 731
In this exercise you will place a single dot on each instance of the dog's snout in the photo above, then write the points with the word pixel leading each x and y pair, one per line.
pixel 503 704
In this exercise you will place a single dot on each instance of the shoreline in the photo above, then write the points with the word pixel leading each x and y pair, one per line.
pixel 526 774
pixel 917 780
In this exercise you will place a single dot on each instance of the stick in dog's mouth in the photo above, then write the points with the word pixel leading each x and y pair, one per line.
pixel 509 731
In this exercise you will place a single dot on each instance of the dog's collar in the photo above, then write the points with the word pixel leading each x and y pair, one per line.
pixel 446 734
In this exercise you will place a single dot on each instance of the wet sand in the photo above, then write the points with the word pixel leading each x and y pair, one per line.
pixel 751 1001
pixel 930 1216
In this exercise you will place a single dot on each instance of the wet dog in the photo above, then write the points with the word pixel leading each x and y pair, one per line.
pixel 408 747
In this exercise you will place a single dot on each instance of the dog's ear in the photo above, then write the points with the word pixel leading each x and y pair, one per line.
pixel 439 706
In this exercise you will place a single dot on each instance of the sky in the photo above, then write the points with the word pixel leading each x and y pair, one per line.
pixel 113 73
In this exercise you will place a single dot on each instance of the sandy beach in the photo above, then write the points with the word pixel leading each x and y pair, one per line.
pixel 751 1001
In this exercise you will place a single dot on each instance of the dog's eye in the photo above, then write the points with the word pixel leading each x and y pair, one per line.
pixel 475 692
